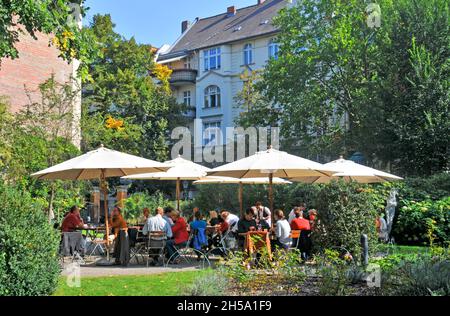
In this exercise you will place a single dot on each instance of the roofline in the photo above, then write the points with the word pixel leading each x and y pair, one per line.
pixel 182 35
pixel 221 43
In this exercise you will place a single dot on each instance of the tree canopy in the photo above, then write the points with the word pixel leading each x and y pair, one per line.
pixel 342 84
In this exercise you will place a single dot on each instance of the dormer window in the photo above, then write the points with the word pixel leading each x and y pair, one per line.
pixel 212 58
pixel 248 54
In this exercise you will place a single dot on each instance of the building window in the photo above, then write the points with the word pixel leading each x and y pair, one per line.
pixel 274 48
pixel 211 133
pixel 212 58
pixel 212 97
pixel 248 54
pixel 187 63
pixel 187 98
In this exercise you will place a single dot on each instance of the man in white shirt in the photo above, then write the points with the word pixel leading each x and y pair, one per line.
pixel 302 207
pixel 282 231
pixel 231 219
pixel 157 224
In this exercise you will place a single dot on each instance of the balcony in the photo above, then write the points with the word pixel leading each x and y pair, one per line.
pixel 183 76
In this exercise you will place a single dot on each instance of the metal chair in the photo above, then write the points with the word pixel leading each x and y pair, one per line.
pixel 295 236
pixel 71 246
pixel 222 247
pixel 156 246
pixel 138 246
pixel 189 256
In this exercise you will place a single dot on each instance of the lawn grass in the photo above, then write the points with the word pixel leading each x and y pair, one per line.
pixel 404 250
pixel 166 284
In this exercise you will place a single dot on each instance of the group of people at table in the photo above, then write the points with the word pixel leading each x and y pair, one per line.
pixel 176 229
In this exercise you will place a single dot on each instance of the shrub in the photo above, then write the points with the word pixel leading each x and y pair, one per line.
pixel 423 275
pixel 345 212
pixel 136 202
pixel 28 246
pixel 423 222
pixel 210 284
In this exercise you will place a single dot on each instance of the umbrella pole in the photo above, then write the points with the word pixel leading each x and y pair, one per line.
pixel 271 197
pixel 241 198
pixel 105 206
pixel 178 194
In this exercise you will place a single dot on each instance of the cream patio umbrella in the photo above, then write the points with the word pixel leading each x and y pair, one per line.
pixel 101 164
pixel 241 182
pixel 351 171
pixel 179 169
pixel 272 163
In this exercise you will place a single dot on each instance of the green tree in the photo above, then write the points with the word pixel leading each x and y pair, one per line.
pixel 39 136
pixel 128 86
pixel 343 86
pixel 48 17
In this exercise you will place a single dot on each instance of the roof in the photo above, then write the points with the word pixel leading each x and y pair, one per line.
pixel 248 22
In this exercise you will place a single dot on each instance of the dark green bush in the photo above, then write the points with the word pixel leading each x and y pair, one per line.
pixel 225 196
pixel 345 212
pixel 28 246
pixel 422 222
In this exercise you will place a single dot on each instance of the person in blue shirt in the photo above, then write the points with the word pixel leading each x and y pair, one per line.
pixel 198 228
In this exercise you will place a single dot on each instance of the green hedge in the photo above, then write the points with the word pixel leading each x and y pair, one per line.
pixel 345 213
pixel 28 246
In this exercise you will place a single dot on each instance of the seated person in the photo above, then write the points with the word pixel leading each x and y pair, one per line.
pixel 72 221
pixel 282 231
pixel 299 223
pixel 198 227
pixel 167 215
pixel 180 234
pixel 231 219
pixel 213 218
pixel 157 224
pixel 249 223
pixel 145 215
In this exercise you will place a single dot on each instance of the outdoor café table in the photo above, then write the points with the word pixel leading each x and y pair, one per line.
pixel 257 240
pixel 93 232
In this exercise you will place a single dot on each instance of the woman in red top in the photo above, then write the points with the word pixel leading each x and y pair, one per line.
pixel 299 223
pixel 180 235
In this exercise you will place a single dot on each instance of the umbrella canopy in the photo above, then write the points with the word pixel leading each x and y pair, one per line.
pixel 351 171
pixel 179 169
pixel 99 163
pixel 272 163
pixel 229 180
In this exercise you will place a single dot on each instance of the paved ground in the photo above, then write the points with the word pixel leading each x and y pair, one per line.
pixel 92 270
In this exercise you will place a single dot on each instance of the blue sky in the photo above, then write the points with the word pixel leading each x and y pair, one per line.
pixel 157 22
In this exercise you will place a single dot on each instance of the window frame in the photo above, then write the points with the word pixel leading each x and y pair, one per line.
pixel 212 92
pixel 274 49
pixel 248 54
pixel 187 97
pixel 212 56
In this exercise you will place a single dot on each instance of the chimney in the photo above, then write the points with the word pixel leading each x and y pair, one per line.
pixel 184 26
pixel 261 1
pixel 231 11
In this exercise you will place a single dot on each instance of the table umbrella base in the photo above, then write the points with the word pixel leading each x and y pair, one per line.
pixel 104 263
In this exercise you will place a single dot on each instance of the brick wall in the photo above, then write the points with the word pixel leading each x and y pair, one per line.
pixel 36 63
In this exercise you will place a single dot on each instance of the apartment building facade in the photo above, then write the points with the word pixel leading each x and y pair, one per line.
pixel 211 55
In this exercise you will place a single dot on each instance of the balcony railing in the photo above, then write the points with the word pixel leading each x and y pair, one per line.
pixel 181 76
